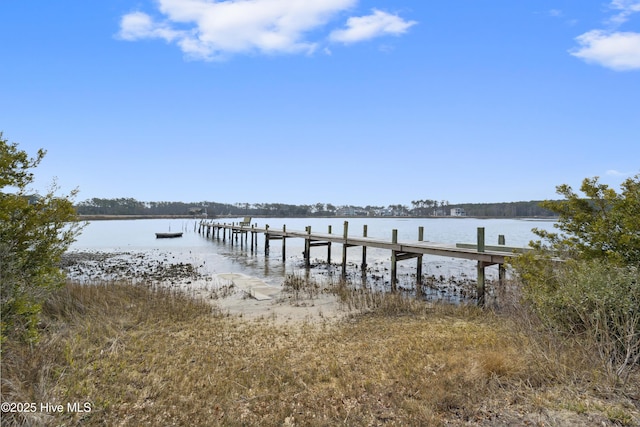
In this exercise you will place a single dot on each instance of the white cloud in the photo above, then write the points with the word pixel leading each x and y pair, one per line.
pixel 138 25
pixel 368 27
pixel 611 48
pixel 209 30
pixel 626 8
pixel 619 51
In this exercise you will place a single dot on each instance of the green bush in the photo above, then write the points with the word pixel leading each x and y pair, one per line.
pixel 585 280
pixel 602 224
pixel 35 230
pixel 594 299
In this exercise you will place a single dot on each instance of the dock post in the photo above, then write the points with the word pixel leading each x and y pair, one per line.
pixel 419 263
pixel 364 252
pixel 329 249
pixel 345 233
pixel 284 245
pixel 481 279
pixel 252 236
pixel 307 247
pixel 394 261
pixel 502 272
pixel 224 233
pixel 266 240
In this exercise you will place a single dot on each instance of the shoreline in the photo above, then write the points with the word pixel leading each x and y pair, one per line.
pixel 234 294
pixel 247 296
pixel 104 217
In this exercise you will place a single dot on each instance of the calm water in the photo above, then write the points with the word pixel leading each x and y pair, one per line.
pixel 214 257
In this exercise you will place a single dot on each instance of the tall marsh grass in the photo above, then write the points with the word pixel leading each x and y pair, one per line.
pixel 144 356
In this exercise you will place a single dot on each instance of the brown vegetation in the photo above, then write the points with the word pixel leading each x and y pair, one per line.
pixel 143 356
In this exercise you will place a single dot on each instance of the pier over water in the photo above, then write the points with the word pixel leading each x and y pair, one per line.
pixel 246 235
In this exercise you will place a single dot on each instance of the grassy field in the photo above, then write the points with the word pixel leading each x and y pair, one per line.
pixel 139 356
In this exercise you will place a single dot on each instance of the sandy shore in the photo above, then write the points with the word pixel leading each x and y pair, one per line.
pixel 252 299
pixel 232 293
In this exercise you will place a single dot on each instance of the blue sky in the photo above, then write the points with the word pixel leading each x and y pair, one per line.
pixel 335 101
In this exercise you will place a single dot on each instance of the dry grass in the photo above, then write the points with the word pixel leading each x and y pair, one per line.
pixel 153 357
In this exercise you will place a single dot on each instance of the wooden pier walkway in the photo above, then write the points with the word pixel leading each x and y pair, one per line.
pixel 484 255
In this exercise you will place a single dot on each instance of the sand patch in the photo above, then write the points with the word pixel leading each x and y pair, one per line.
pixel 252 286
pixel 251 298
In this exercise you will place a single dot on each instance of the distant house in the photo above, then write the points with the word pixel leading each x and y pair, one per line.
pixel 382 212
pixel 351 211
pixel 458 212
pixel 346 211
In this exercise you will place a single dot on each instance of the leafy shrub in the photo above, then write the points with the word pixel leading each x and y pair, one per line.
pixel 595 299
pixel 35 231
pixel 585 281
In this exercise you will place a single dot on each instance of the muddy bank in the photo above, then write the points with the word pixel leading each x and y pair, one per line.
pixel 136 267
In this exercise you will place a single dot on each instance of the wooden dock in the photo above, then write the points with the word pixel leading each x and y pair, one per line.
pixel 484 255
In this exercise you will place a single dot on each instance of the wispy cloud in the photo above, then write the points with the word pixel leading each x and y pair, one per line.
pixel 611 48
pixel 138 25
pixel 556 13
pixel 211 30
pixel 618 51
pixel 613 172
pixel 377 24
pixel 624 8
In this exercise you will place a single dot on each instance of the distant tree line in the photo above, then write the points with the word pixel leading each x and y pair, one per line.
pixel 421 208
pixel 507 210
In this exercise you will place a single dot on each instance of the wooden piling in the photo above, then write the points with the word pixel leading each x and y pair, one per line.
pixel 345 234
pixel 419 264
pixel 232 234
pixel 502 272
pixel 307 247
pixel 480 287
pixel 284 244
pixel 394 261
pixel 329 249
pixel 364 252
